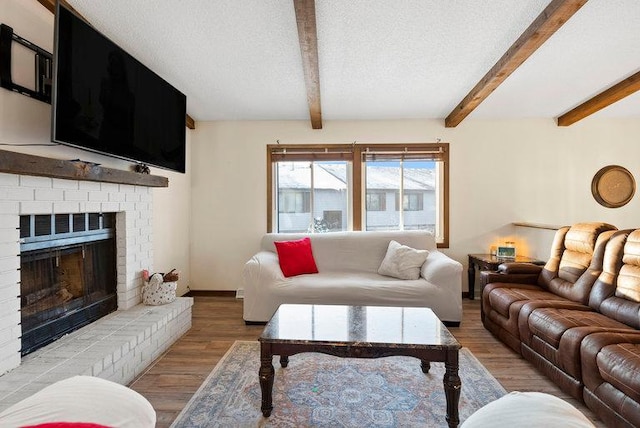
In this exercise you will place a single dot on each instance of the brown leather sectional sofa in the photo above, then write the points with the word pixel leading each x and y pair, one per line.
pixel 577 319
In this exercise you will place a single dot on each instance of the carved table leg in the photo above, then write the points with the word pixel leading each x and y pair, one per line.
pixel 266 375
pixel 284 360
pixel 452 387
pixel 425 365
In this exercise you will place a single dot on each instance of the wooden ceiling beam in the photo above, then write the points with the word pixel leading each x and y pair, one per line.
pixel 604 99
pixel 51 7
pixel 544 26
pixel 49 4
pixel 308 39
pixel 191 124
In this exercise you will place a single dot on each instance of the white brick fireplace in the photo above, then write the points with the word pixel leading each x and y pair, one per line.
pixel 23 194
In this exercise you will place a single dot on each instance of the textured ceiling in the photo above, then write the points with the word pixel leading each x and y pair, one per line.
pixel 240 59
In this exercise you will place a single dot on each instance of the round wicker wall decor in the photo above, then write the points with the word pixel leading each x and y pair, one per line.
pixel 613 186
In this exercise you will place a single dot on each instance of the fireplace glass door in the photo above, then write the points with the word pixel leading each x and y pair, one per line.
pixel 65 287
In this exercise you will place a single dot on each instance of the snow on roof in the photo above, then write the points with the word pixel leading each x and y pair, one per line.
pixel 297 176
pixel 333 176
pixel 388 177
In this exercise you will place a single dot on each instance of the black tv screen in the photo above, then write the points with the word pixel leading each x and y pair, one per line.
pixel 106 101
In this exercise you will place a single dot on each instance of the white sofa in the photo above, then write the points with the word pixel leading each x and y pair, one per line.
pixel 348 275
pixel 527 409
pixel 82 399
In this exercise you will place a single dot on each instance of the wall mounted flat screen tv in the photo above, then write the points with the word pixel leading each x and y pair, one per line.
pixel 106 101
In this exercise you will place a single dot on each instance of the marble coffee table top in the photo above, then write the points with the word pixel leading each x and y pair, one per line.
pixel 362 325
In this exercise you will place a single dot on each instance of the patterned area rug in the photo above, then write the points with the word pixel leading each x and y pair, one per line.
pixel 326 391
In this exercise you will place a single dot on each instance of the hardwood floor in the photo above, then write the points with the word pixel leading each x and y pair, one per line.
pixel 173 378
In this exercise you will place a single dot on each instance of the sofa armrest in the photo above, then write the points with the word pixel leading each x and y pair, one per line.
pixel 591 346
pixel 440 269
pixel 260 276
pixel 489 277
pixel 82 399
pixel 263 266
pixel 519 268
pixel 518 409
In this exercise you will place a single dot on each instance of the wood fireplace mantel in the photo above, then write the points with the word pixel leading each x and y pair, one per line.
pixel 24 164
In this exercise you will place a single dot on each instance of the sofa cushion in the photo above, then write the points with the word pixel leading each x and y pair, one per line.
pixel 576 260
pixel 296 257
pixel 508 305
pixel 501 299
pixel 628 285
pixel 555 336
pixel 551 324
pixel 402 262
pixel 579 246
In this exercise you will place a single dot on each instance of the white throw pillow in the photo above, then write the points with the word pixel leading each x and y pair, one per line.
pixel 402 262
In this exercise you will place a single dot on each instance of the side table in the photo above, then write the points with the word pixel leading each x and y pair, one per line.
pixel 491 262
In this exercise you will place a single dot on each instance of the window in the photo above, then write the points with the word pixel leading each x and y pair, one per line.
pixel 333 220
pixel 411 201
pixel 294 201
pixel 410 181
pixel 333 187
pixel 311 196
pixel 376 201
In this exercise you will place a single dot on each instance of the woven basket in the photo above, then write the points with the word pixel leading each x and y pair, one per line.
pixel 171 276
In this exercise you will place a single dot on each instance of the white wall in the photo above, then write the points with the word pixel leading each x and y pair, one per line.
pixel 172 223
pixel 501 172
pixel 24 120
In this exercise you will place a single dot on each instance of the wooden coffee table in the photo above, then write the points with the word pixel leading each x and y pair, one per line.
pixel 359 332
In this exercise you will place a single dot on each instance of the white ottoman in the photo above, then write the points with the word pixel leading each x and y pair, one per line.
pixel 527 409
pixel 82 399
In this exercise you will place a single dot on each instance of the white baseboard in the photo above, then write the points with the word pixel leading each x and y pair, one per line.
pixel 240 293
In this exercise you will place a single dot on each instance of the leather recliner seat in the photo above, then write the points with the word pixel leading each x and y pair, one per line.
pixel 551 336
pixel 565 281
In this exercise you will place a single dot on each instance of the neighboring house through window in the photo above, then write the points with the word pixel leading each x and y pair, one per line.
pixel 376 201
pixel 411 201
pixel 294 201
pixel 326 188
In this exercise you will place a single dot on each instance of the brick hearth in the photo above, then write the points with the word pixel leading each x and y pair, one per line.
pixel 116 347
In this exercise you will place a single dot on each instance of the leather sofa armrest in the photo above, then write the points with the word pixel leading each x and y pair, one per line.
pixel 488 277
pixel 512 267
pixel 590 348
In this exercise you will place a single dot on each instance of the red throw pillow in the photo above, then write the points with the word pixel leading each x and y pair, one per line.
pixel 296 257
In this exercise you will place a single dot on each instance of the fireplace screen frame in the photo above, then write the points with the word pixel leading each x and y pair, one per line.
pixel 68 274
